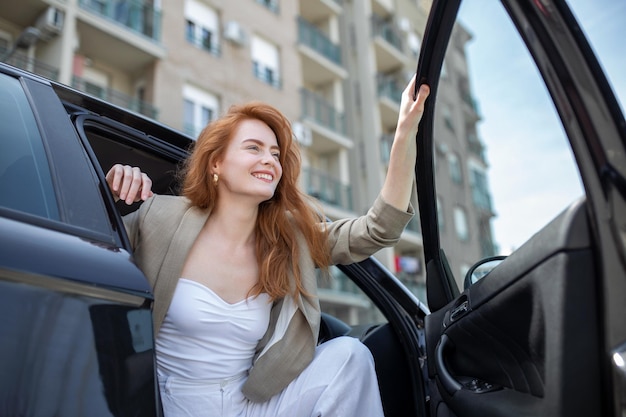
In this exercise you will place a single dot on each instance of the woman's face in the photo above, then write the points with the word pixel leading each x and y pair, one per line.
pixel 251 165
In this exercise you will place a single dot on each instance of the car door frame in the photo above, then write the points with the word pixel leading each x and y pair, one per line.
pixel 595 127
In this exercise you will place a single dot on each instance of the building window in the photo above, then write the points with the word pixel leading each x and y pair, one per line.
pixel 460 224
pixel 265 61
pixel 202 27
pixel 456 172
pixel 270 4
pixel 199 108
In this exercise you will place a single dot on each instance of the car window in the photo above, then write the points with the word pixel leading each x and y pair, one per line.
pixel 25 180
pixel 342 298
pixel 111 144
pixel 504 166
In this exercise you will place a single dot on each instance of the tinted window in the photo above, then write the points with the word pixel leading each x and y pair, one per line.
pixel 25 181
pixel 507 137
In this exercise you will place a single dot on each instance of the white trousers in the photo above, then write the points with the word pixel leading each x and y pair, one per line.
pixel 340 381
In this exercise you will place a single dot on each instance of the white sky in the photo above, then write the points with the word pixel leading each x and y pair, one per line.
pixel 526 197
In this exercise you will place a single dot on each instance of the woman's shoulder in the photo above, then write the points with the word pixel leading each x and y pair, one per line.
pixel 162 205
pixel 173 201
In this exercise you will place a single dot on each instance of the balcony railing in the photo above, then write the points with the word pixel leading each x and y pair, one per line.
pixel 482 198
pixel 388 31
pixel 416 287
pixel 322 112
pixel 339 283
pixel 475 146
pixel 115 97
pixel 389 86
pixel 311 36
pixel 327 189
pixel 136 15
pixel 24 62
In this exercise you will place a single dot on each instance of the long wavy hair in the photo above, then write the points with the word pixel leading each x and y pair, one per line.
pixel 277 249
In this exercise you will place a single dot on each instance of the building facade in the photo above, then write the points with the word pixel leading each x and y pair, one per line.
pixel 335 68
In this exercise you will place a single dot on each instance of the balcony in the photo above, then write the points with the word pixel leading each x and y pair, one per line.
pixel 476 147
pixel 36 66
pixel 124 35
pixel 482 199
pixel 311 36
pixel 388 44
pixel 328 125
pixel 389 96
pixel 115 97
pixel 415 285
pixel 318 10
pixel 135 15
pixel 321 58
pixel 327 189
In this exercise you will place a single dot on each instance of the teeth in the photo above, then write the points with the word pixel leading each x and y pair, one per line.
pixel 264 176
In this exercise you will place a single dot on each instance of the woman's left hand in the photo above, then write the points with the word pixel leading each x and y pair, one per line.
pixel 398 183
pixel 129 183
pixel 411 110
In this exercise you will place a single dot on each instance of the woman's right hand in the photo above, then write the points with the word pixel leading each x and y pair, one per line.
pixel 129 183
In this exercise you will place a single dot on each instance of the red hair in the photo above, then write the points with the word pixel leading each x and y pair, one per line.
pixel 277 249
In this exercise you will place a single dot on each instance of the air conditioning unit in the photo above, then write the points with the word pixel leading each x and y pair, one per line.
pixel 303 134
pixel 50 23
pixel 235 33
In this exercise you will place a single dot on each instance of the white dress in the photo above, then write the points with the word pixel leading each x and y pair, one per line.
pixel 205 349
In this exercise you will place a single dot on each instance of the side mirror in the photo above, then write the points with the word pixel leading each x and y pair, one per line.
pixel 480 269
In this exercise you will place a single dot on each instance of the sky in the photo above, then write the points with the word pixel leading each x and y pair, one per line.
pixel 526 195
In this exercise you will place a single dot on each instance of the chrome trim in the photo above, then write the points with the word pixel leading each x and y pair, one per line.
pixel 618 365
pixel 71 287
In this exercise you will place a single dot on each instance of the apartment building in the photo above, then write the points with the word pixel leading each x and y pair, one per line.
pixel 335 68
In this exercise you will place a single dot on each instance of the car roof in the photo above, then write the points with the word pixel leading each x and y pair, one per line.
pixel 78 102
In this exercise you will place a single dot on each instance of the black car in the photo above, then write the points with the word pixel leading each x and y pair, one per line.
pixel 541 334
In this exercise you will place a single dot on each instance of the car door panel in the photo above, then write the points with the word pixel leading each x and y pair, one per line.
pixel 535 336
pixel 527 331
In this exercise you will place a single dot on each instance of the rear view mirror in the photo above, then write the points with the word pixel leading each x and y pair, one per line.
pixel 480 269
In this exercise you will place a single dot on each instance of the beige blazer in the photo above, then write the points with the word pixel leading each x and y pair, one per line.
pixel 163 230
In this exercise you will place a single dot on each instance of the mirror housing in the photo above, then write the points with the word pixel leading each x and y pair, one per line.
pixel 480 269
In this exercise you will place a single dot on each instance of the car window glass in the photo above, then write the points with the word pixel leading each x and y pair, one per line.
pixel 25 179
pixel 111 146
pixel 495 115
pixel 343 299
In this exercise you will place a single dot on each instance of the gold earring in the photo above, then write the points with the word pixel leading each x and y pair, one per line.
pixel 216 178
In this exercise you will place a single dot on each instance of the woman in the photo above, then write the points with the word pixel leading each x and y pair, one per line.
pixel 232 265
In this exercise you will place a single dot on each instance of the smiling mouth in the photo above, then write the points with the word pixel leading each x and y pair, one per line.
pixel 266 177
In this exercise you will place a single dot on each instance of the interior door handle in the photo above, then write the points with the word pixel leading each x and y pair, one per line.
pixel 451 384
pixel 448 382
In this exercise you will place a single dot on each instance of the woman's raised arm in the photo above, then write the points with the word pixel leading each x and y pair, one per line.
pixel 399 181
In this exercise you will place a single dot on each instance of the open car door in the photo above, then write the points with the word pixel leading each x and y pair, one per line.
pixel 543 333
